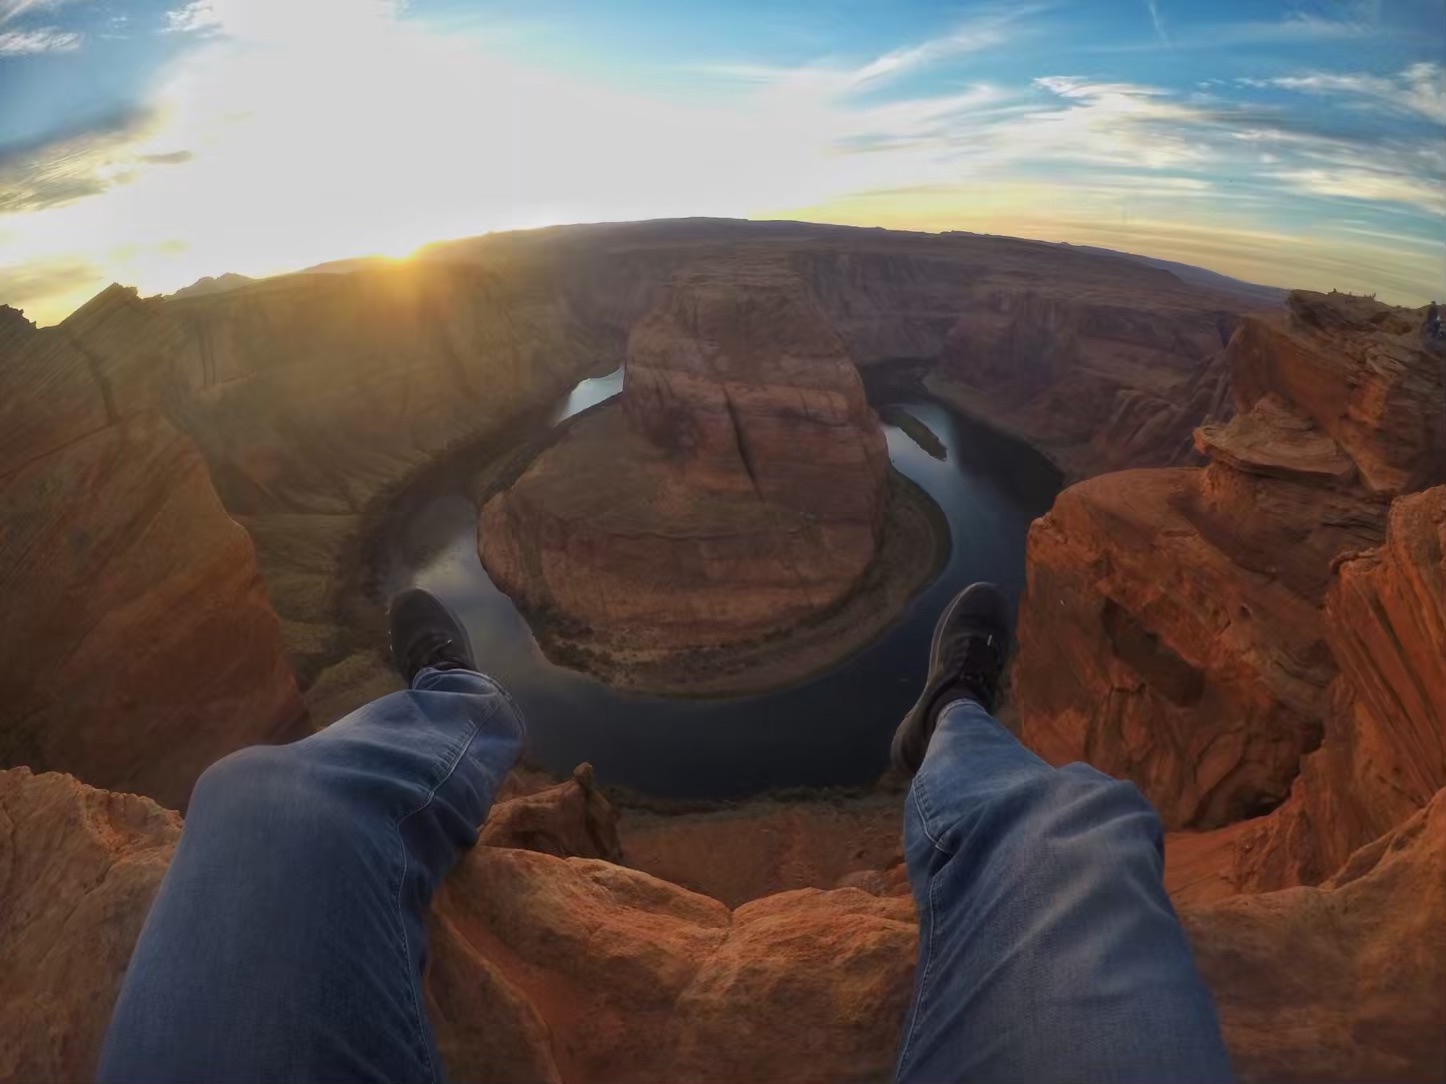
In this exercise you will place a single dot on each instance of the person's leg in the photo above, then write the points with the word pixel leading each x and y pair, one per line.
pixel 287 940
pixel 1048 948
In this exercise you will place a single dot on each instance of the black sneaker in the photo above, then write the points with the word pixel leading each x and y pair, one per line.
pixel 425 632
pixel 966 661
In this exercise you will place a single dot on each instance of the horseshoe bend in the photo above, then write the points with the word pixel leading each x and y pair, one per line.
pixel 699 490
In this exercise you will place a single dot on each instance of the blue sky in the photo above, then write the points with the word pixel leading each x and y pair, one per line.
pixel 1300 143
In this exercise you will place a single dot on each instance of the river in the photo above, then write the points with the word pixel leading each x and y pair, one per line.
pixel 831 730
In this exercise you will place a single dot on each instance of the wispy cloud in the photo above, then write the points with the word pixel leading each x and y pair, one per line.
pixel 1158 21
pixel 987 28
pixel 10 9
pixel 915 136
pixel 46 39
pixel 1420 89
pixel 1296 29
pixel 75 165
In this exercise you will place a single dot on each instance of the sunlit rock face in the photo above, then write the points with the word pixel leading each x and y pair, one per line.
pixel 1267 631
pixel 739 487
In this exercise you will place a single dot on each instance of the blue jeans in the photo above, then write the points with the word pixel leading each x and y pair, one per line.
pixel 288 937
pixel 1048 950
pixel 287 941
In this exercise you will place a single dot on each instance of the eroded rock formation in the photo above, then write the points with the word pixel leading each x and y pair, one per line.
pixel 137 645
pixel 740 488
pixel 78 869
pixel 574 969
pixel 1173 630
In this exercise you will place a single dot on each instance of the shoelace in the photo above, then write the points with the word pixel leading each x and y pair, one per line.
pixel 975 658
pixel 434 646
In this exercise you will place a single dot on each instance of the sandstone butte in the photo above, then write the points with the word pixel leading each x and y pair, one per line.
pixel 739 487
pixel 1258 643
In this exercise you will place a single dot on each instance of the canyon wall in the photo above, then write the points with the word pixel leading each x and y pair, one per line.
pixel 137 645
pixel 1098 360
pixel 739 486
pixel 1265 633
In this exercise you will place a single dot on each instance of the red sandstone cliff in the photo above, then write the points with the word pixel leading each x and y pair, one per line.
pixel 738 488
pixel 137 645
pixel 1218 636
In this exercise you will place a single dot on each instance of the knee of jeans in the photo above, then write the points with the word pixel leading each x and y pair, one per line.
pixel 261 783
pixel 1082 796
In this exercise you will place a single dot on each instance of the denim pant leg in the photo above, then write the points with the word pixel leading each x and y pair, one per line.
pixel 1048 950
pixel 288 937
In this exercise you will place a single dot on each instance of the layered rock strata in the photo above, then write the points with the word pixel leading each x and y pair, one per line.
pixel 138 645
pixel 1265 632
pixel 738 488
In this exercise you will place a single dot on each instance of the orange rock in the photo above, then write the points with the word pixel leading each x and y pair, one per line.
pixel 1342 982
pixel 1357 367
pixel 78 870
pixel 1150 653
pixel 138 645
pixel 1172 631
pixel 753 849
pixel 570 820
pixel 555 969
pixel 638 979
pixel 1383 754
pixel 738 488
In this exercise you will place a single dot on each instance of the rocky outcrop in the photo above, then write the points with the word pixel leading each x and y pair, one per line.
pixel 78 869
pixel 569 820
pixel 606 973
pixel 1172 631
pixel 545 968
pixel 740 487
pixel 138 645
pixel 1346 981
pixel 1383 749
pixel 742 852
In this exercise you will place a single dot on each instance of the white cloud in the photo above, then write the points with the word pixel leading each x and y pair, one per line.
pixel 196 17
pixel 1420 89
pixel 10 9
pixel 353 131
pixel 46 39
pixel 1370 185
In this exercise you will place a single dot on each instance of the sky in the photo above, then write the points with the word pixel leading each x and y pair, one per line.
pixel 151 142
